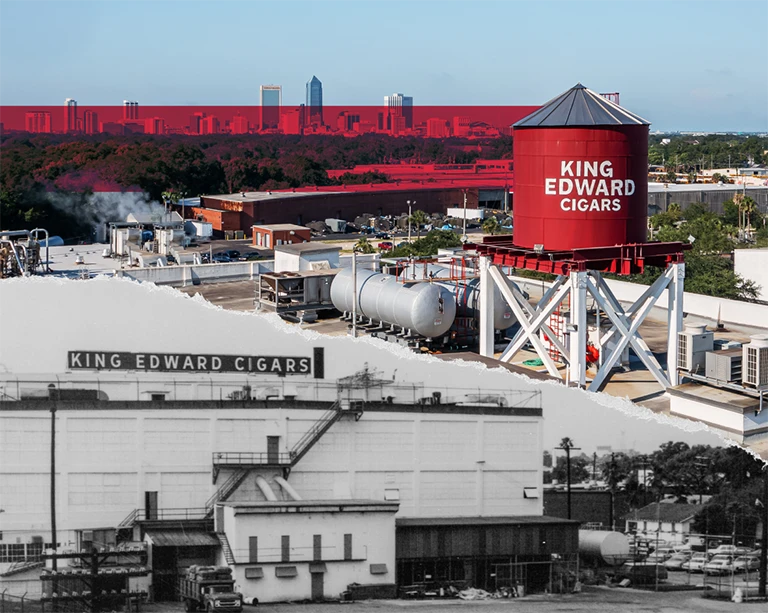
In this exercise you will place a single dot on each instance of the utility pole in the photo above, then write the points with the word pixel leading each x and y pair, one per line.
pixel 354 292
pixel 566 445
pixel 464 232
pixel 54 538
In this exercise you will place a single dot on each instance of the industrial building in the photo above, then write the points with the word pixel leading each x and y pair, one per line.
pixel 299 479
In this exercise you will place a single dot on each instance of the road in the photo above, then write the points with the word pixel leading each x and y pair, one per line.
pixel 592 600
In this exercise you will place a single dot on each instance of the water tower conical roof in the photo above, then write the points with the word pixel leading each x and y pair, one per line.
pixel 580 106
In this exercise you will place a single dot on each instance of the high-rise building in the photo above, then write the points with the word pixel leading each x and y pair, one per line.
pixel 210 125
pixel 345 121
pixel 70 115
pixel 315 101
pixel 154 125
pixel 90 122
pixel 437 128
pixel 461 125
pixel 38 122
pixel 271 98
pixel 397 104
pixel 240 125
pixel 292 121
pixel 195 123
pixel 130 109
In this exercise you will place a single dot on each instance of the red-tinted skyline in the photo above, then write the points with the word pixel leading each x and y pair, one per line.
pixel 427 121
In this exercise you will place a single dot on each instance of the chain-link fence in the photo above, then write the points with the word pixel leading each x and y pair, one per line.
pixel 19 604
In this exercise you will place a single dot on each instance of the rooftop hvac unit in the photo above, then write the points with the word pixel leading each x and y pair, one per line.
pixel 724 366
pixel 692 346
pixel 755 361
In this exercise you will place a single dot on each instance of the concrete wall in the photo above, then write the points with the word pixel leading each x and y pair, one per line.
pixel 752 264
pixel 198 273
pixel 107 458
pixel 373 542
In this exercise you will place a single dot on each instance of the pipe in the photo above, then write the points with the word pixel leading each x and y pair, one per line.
pixel 47 240
pixel 287 488
pixel 265 489
pixel 15 233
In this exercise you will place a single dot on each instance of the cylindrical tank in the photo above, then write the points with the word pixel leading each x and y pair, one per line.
pixel 581 174
pixel 467 294
pixel 609 547
pixel 422 308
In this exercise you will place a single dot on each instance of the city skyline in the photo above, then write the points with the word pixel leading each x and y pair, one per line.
pixel 712 90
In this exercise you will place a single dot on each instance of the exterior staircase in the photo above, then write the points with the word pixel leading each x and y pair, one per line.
pixel 226 489
pixel 225 548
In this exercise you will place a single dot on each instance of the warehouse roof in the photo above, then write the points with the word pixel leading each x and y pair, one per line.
pixel 580 106
pixel 279 227
pixel 405 522
pixel 182 538
pixel 306 247
pixel 665 512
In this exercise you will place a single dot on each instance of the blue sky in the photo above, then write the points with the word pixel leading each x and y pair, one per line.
pixel 681 65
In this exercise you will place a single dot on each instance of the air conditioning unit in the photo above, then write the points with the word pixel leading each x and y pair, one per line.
pixel 692 346
pixel 755 361
pixel 724 366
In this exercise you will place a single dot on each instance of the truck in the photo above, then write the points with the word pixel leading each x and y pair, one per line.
pixel 209 594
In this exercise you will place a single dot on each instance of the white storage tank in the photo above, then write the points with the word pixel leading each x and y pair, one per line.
pixel 606 546
pixel 468 294
pixel 425 309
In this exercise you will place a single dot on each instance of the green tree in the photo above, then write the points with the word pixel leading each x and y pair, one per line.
pixel 418 218
pixel 428 245
pixel 491 225
pixel 363 246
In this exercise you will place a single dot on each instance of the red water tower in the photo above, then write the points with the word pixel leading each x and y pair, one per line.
pixel 581 174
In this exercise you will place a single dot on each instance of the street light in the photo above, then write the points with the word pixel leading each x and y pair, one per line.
pixel 409 218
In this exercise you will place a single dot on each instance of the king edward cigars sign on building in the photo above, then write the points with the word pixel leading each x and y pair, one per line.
pixel 191 362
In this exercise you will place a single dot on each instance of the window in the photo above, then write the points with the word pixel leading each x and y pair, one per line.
pixel 674 527
pixel 317 547
pixel 286 548
pixel 253 549
pixel 347 546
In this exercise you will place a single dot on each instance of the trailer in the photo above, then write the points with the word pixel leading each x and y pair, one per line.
pixel 209 594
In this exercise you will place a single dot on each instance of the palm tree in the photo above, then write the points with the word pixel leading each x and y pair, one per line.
pixel 363 246
pixel 491 226
pixel 418 218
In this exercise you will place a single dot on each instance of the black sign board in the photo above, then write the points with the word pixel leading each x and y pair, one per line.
pixel 193 362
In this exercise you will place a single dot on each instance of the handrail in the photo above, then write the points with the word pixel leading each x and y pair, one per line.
pixel 319 426
pixel 226 488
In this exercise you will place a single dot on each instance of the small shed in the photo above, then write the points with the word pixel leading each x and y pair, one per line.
pixel 306 256
pixel 271 235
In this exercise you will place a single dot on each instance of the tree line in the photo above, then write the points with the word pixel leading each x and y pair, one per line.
pixel 34 166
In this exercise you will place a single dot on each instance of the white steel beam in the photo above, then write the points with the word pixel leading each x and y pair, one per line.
pixel 676 273
pixel 530 332
pixel 551 299
pixel 486 308
pixel 539 316
pixel 578 331
pixel 628 334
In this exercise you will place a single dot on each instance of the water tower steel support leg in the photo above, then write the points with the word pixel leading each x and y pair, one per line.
pixel 674 318
pixel 486 308
pixel 578 320
pixel 627 326
pixel 552 294
pixel 530 330
pixel 538 318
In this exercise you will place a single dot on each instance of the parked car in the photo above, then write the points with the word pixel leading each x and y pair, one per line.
pixel 721 564
pixel 382 235
pixel 696 563
pixel 677 561
pixel 250 255
pixel 640 573
pixel 221 258
pixel 657 557
pixel 385 246
pixel 723 549
pixel 746 563
pixel 233 254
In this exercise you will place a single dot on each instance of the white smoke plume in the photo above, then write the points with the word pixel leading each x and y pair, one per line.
pixel 101 208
